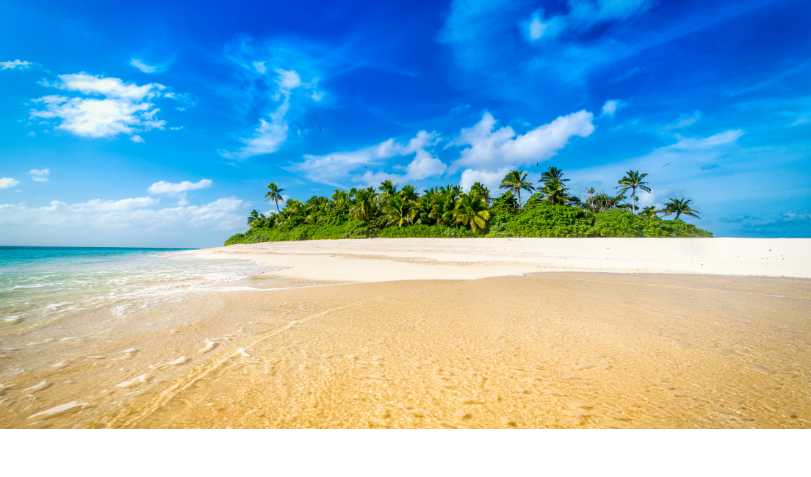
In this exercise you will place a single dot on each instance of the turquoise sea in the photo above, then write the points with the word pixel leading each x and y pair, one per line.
pixel 40 284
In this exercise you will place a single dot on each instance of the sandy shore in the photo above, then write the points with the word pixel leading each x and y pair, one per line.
pixel 448 350
pixel 416 259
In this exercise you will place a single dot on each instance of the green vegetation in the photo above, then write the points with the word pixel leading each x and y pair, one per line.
pixel 450 212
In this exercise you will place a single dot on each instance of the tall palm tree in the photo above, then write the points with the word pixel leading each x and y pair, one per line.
pixel 552 173
pixel 482 191
pixel 649 212
pixel 678 207
pixel 275 194
pixel 633 181
pixel 364 206
pixel 471 211
pixel 555 192
pixel 515 181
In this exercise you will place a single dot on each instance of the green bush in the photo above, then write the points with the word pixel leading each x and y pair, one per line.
pixel 623 223
pixel 543 220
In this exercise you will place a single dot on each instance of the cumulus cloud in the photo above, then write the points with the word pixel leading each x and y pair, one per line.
pixel 582 15
pixel 7 182
pixel 179 189
pixel 493 149
pixel 39 175
pixel 331 168
pixel 142 66
pixel 491 179
pixel 611 106
pixel 110 106
pixel 137 138
pixel 16 64
pixel 135 213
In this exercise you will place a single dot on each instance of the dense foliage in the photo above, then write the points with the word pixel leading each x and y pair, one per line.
pixel 450 212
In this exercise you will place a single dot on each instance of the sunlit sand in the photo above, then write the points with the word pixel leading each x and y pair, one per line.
pixel 527 350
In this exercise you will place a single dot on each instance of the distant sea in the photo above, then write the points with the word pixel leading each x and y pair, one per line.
pixel 42 283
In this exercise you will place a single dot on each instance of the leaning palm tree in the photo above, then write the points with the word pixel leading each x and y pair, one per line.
pixel 515 181
pixel 553 173
pixel 649 212
pixel 678 207
pixel 633 181
pixel 275 194
pixel 471 211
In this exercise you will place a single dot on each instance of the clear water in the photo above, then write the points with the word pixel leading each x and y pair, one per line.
pixel 38 284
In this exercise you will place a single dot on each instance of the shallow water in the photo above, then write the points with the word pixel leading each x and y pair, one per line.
pixel 40 284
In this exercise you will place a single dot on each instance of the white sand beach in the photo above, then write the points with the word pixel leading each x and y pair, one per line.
pixel 420 258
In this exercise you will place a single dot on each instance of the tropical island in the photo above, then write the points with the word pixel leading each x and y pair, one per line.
pixel 550 211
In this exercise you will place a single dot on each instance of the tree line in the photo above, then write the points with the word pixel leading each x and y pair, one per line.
pixel 450 206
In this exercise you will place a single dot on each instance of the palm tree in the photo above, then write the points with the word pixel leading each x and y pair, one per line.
pixel 409 192
pixel 471 211
pixel 553 173
pixel 253 218
pixel 554 192
pixel 515 181
pixel 649 212
pixel 633 180
pixel 364 206
pixel 678 207
pixel 275 194
pixel 482 191
pixel 387 188
pixel 399 210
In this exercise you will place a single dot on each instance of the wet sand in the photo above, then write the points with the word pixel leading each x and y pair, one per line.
pixel 545 350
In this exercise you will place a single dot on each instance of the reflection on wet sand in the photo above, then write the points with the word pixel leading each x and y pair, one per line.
pixel 552 350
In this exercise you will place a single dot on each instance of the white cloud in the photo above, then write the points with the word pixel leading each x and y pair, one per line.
pixel 491 179
pixel 132 213
pixel 693 143
pixel 332 168
pixel 16 64
pixel 142 66
pixel 685 120
pixel 125 108
pixel 7 182
pixel 173 189
pixel 39 175
pixel 582 15
pixel 269 136
pixel 260 66
pixel 492 150
pixel 611 106
pixel 136 138
pixel 179 189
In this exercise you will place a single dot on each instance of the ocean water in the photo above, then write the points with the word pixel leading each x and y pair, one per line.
pixel 40 284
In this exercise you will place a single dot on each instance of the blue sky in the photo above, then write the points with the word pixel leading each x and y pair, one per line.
pixel 160 124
